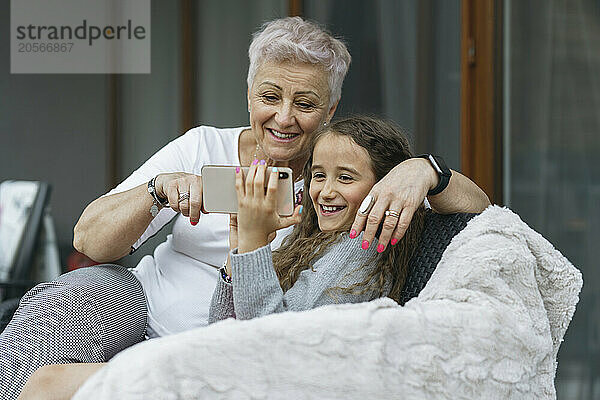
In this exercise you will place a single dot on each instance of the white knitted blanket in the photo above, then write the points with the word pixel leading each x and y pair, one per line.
pixel 488 325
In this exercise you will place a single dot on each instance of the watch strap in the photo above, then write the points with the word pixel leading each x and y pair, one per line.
pixel 440 167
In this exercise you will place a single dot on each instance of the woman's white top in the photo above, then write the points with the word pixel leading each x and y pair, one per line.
pixel 179 279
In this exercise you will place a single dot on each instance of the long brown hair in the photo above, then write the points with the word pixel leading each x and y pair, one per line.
pixel 387 146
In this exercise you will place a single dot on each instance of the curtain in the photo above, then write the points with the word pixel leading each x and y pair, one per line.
pixel 553 134
pixel 397 72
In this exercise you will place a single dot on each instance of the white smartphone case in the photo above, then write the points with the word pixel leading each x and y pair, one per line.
pixel 219 195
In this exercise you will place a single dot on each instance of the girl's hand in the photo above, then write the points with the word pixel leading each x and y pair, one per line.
pixel 257 217
pixel 233 231
pixel 233 238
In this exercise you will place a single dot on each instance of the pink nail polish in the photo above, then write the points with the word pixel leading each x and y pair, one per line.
pixel 394 241
pixel 365 245
pixel 262 162
pixel 237 170
pixel 352 234
pixel 255 161
pixel 380 248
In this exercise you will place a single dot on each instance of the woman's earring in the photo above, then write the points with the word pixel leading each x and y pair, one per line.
pixel 325 123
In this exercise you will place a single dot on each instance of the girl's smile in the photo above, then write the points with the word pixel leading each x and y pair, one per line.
pixel 341 177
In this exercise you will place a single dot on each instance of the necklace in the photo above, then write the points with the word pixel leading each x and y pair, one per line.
pixel 256 154
pixel 269 161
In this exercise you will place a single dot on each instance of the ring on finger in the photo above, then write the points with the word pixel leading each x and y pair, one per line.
pixel 183 196
pixel 392 213
pixel 365 206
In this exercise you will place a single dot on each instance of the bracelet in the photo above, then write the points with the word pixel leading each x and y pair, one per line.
pixel 156 201
pixel 224 275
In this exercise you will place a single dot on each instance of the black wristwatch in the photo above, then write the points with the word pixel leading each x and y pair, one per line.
pixel 442 170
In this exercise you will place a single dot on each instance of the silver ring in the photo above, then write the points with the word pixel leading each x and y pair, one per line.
pixel 183 196
pixel 365 206
pixel 392 213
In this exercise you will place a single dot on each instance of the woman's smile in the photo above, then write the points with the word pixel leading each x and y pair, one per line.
pixel 287 103
pixel 281 136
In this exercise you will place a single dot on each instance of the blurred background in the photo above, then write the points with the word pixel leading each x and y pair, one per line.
pixel 508 92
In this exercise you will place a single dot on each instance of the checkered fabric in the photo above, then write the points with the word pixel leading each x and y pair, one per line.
pixel 87 315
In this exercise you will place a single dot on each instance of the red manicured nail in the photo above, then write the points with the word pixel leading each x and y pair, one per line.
pixel 365 245
pixel 194 223
pixel 352 234
pixel 237 170
pixel 380 248
pixel 394 241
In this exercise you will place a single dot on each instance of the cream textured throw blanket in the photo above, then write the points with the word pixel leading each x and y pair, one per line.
pixel 488 325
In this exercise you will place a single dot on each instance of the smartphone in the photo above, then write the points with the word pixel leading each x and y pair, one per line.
pixel 219 195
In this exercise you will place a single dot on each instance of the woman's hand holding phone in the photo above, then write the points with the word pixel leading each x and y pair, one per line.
pixel 183 192
pixel 257 216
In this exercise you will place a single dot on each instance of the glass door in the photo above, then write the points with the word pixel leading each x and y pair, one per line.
pixel 552 155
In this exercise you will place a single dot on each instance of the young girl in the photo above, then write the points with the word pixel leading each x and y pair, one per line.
pixel 319 262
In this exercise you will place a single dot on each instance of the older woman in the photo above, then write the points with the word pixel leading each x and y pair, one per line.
pixel 294 86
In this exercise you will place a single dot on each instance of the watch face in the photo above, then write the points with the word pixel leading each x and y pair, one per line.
pixel 435 164
pixel 440 166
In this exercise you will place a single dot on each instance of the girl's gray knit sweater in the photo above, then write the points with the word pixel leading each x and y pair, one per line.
pixel 255 289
